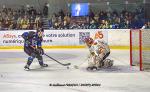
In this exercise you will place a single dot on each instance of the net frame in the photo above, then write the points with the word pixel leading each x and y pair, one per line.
pixel 142 50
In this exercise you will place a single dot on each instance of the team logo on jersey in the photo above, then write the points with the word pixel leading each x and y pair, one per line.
pixel 99 35
pixel 34 41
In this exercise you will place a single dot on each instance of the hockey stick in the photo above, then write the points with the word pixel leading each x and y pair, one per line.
pixel 77 66
pixel 67 64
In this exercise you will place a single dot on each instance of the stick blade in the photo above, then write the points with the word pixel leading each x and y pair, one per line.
pixel 67 64
pixel 76 67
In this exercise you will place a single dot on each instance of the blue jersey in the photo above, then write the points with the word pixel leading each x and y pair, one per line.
pixel 31 39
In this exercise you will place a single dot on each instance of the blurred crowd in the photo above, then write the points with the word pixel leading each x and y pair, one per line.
pixel 30 18
pixel 23 18
pixel 102 20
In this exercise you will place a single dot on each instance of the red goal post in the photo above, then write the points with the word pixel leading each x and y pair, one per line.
pixel 140 48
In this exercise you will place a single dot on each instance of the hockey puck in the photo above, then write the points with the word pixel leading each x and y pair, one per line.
pixel 67 67
pixel 76 67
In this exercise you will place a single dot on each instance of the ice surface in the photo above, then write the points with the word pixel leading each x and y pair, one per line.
pixel 120 78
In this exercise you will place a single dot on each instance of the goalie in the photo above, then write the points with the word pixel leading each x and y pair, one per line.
pixel 99 51
pixel 33 47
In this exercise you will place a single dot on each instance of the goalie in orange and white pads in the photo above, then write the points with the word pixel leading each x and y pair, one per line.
pixel 99 51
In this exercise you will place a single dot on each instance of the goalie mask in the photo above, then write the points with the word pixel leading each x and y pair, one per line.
pixel 89 41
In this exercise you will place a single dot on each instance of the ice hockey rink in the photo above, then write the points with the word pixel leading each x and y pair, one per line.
pixel 119 78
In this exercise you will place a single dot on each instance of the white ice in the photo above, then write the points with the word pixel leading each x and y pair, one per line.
pixel 120 78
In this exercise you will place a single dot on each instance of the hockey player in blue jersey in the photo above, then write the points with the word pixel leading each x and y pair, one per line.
pixel 33 47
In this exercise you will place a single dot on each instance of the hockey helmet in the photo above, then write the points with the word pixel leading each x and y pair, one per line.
pixel 89 40
pixel 40 30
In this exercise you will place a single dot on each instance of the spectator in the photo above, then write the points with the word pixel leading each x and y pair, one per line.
pixel 25 23
pixel 104 25
pixel 61 14
pixel 22 11
pixel 45 10
pixel 91 15
pixel 7 23
pixel 38 22
pixel 146 25
pixel 30 18
pixel 93 24
pixel 32 10
pixel 1 21
pixel 19 23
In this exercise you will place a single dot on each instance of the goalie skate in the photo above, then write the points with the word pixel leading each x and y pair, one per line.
pixel 92 68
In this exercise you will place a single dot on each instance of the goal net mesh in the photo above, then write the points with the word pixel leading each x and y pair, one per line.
pixel 141 39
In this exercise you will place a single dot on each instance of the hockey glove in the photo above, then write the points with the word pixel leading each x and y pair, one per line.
pixel 40 50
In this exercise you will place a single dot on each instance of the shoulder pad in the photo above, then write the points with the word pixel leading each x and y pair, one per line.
pixel 25 35
pixel 31 34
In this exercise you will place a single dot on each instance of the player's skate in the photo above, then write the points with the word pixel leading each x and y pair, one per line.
pixel 44 65
pixel 26 67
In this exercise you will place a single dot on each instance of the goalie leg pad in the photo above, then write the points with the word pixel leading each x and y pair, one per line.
pixel 91 64
pixel 107 54
pixel 108 63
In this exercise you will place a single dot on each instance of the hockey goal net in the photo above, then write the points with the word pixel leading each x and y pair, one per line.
pixel 140 48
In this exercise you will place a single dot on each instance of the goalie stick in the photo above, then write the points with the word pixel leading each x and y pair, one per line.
pixel 77 66
pixel 67 64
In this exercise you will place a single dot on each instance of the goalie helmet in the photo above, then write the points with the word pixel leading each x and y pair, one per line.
pixel 89 40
